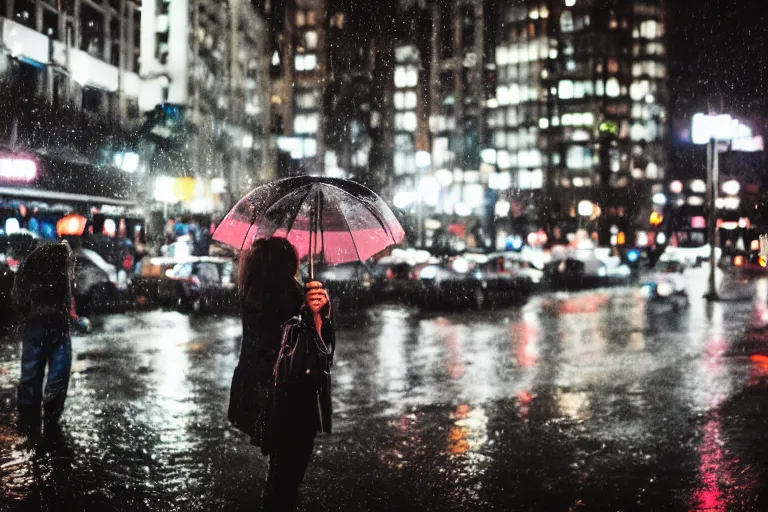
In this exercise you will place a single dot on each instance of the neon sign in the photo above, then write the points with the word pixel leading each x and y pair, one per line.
pixel 17 169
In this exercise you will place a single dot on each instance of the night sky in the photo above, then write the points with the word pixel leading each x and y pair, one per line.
pixel 718 50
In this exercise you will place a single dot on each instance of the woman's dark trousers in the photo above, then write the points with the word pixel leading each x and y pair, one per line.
pixel 287 464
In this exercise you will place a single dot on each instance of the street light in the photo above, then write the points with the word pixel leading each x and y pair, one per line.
pixel 586 208
pixel 711 130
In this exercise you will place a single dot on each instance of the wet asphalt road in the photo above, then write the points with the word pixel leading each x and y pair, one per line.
pixel 582 401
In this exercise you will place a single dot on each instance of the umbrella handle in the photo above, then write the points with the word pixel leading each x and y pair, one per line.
pixel 312 230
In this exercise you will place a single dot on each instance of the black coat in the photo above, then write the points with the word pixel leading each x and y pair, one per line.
pixel 253 394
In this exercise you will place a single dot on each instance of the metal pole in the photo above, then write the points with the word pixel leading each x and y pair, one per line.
pixel 712 176
pixel 420 222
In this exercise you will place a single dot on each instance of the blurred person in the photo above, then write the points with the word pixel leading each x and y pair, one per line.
pixel 43 295
pixel 285 428
pixel 170 232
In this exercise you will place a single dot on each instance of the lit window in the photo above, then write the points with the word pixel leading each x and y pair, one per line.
pixel 639 90
pixel 543 123
pixel 613 66
pixel 305 62
pixel 570 65
pixel 306 100
pixel 524 180
pixel 566 21
pixel 612 88
pixel 650 29
pixel 570 3
pixel 512 119
pixel 301 19
pixel 499 139
pixel 552 53
pixel 412 77
pixel 400 77
pixel 578 89
pixel 502 56
pixel 533 51
pixel 406 77
pixel 410 100
pixel 513 55
pixel 502 95
pixel 578 157
pixel 406 53
pixel 406 121
pixel 399 101
pixel 529 158
pixel 310 39
pixel 306 123
pixel 311 18
pixel 537 179
pixel 580 136
pixel 599 88
pixel 638 132
pixel 513 141
pixel 565 89
pixel 310 148
pixel 310 62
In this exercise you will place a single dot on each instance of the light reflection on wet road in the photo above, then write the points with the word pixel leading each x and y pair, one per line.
pixel 588 401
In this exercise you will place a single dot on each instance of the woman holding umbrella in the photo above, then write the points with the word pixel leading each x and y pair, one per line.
pixel 336 221
pixel 270 296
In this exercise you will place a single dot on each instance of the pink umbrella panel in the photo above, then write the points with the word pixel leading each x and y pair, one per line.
pixel 348 227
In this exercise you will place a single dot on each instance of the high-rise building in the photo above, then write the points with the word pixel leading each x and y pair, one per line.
pixel 204 68
pixel 298 70
pixel 581 106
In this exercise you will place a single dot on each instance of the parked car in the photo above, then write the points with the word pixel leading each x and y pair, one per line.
pixel 666 285
pixel 745 263
pixel 448 283
pixel 394 280
pixel 500 280
pixel 581 268
pixel 200 285
pixel 146 283
pixel 99 287
pixel 350 285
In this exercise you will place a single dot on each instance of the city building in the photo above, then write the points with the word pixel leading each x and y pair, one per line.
pixel 580 112
pixel 298 69
pixel 81 54
pixel 439 91
pixel 205 82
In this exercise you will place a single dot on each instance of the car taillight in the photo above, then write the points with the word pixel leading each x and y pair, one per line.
pixel 389 274
pixel 739 261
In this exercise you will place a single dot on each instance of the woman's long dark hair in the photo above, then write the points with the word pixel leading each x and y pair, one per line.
pixel 267 272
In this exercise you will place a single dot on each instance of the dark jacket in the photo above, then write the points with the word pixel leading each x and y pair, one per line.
pixel 262 334
pixel 42 288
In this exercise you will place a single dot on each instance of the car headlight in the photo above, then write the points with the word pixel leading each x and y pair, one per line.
pixel 646 290
pixel 428 273
pixel 664 289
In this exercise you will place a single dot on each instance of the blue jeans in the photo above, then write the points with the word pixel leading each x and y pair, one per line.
pixel 44 346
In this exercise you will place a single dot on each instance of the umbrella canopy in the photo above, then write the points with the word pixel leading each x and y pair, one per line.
pixel 336 220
